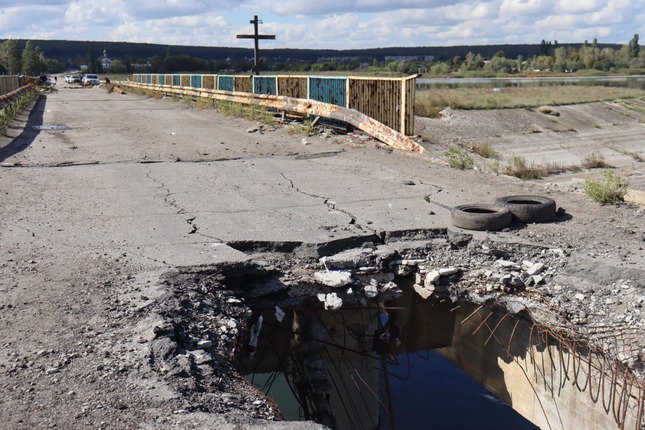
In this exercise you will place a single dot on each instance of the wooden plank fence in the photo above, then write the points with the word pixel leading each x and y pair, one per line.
pixel 387 100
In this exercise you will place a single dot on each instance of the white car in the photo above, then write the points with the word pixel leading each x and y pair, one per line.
pixel 91 79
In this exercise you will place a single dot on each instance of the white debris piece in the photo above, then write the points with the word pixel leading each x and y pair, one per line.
pixel 448 271
pixel 332 301
pixel 370 290
pixel 508 264
pixel 432 278
pixel 422 291
pixel 334 278
pixel 279 314
pixel 535 269
pixel 255 332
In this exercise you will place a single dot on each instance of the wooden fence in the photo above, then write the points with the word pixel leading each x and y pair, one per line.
pixel 387 100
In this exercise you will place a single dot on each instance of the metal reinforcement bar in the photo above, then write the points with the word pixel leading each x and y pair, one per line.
pixel 302 106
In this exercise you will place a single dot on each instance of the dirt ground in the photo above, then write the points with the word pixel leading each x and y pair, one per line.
pixel 85 286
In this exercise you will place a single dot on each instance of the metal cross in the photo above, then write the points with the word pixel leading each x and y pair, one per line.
pixel 255 21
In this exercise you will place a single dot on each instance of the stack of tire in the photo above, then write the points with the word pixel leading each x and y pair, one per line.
pixel 498 216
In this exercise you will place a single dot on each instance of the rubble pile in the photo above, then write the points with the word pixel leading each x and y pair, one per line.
pixel 208 321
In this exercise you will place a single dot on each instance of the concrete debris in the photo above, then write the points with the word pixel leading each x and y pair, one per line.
pixel 370 291
pixel 432 278
pixel 350 259
pixel 517 277
pixel 331 301
pixel 535 269
pixel 334 278
pixel 205 344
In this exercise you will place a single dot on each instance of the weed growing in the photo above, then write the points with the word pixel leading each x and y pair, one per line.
pixel 521 169
pixel 458 158
pixel 610 189
pixel 594 160
pixel 549 110
pixel 484 150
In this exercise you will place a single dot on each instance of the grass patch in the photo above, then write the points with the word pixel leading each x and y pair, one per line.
pixel 631 106
pixel 548 110
pixel 306 129
pixel 430 102
pixel 484 150
pixel 610 189
pixel 594 160
pixel 458 158
pixel 518 167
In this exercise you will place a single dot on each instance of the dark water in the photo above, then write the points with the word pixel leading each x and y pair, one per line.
pixel 438 395
pixel 635 82
pixel 426 392
pixel 380 366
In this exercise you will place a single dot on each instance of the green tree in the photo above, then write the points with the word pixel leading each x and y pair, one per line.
pixel 156 64
pixel 440 69
pixel 499 65
pixel 92 62
pixel 30 59
pixel 634 47
pixel 11 56
pixel 560 59
pixel 542 62
pixel 117 66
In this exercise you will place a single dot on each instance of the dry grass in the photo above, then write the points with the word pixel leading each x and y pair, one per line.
pixel 484 150
pixel 594 160
pixel 430 102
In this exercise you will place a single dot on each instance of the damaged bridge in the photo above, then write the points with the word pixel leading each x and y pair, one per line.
pixel 143 238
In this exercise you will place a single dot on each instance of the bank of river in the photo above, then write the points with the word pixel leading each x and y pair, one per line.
pixel 635 82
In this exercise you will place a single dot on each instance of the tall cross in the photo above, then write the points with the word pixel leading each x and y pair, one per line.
pixel 255 21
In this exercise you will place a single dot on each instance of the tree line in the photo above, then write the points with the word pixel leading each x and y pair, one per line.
pixel 28 57
pixel 551 58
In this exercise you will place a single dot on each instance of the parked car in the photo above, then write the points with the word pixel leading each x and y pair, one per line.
pixel 71 79
pixel 91 79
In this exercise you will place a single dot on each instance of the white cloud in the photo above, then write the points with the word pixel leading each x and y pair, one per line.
pixel 511 8
pixel 329 24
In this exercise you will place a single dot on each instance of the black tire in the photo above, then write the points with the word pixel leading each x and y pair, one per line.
pixel 481 217
pixel 529 209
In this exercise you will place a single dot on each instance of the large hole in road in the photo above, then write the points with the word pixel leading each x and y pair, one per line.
pixel 366 338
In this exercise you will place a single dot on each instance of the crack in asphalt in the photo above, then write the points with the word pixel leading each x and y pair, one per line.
pixel 190 220
pixel 331 205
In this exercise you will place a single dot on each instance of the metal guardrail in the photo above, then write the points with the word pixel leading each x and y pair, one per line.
pixel 353 117
pixel 387 100
pixel 7 99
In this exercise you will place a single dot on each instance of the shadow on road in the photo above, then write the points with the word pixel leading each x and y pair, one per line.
pixel 29 133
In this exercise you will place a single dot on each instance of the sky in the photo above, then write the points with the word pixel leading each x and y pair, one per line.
pixel 326 24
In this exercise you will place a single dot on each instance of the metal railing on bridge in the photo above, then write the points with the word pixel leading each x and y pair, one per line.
pixel 12 88
pixel 389 101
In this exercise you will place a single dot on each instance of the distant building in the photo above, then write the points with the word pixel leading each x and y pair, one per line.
pixel 104 60
pixel 409 58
